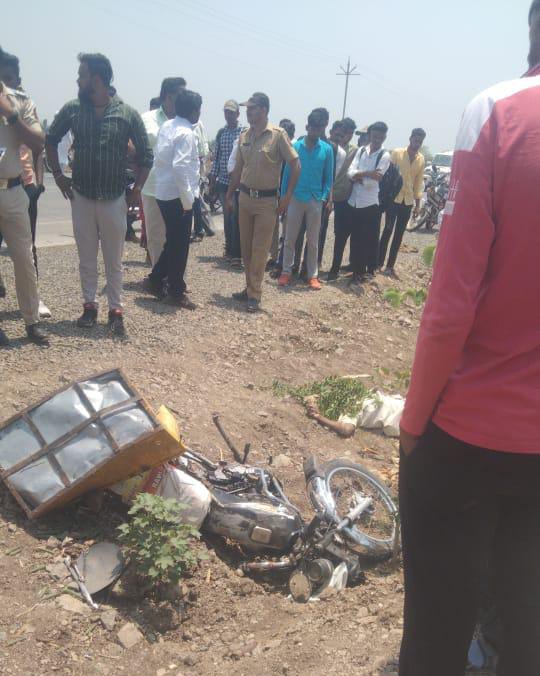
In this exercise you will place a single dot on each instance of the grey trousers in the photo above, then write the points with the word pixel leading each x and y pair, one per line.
pixel 297 210
pixel 95 222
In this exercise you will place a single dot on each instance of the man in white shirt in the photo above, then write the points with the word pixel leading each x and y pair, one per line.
pixel 153 120
pixel 363 212
pixel 177 174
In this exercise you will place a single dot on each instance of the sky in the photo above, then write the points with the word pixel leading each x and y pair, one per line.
pixel 419 62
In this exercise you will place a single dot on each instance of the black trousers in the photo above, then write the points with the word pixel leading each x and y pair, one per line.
pixel 172 263
pixel 468 514
pixel 364 225
pixel 397 217
pixel 341 234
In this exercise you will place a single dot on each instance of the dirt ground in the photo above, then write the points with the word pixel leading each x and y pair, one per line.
pixel 216 359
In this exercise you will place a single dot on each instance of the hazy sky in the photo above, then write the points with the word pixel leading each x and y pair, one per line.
pixel 419 61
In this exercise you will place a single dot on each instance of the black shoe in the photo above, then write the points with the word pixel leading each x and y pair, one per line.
pixel 2 291
pixel 4 340
pixel 270 265
pixel 356 279
pixel 37 334
pixel 331 276
pixel 240 295
pixel 88 318
pixel 276 272
pixel 346 268
pixel 116 323
pixel 253 305
pixel 180 301
pixel 153 288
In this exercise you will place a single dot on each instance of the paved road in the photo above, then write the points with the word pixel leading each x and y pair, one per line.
pixel 54 218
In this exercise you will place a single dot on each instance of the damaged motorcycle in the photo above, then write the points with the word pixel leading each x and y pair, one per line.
pixel 355 520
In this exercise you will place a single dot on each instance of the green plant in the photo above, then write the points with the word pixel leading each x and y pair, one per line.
pixel 336 396
pixel 418 296
pixel 428 255
pixel 396 297
pixel 159 544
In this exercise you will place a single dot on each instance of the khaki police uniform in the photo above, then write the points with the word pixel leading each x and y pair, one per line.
pixel 14 218
pixel 262 158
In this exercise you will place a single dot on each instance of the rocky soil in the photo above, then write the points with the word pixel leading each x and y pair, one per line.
pixel 216 359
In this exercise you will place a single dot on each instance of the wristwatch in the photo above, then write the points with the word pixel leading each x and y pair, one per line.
pixel 13 118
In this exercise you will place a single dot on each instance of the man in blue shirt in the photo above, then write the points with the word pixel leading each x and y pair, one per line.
pixel 312 189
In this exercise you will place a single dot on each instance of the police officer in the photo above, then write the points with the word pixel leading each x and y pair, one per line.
pixel 262 149
pixel 19 125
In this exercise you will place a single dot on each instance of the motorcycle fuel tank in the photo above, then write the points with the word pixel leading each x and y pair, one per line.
pixel 252 522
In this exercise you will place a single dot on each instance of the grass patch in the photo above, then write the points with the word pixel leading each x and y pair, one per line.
pixel 396 297
pixel 336 395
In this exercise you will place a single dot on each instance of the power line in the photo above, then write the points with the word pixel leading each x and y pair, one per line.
pixel 349 72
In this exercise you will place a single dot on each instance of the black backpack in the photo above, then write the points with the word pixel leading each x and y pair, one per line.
pixel 391 184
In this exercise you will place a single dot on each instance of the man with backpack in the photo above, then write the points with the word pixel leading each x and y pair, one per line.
pixel 411 165
pixel 363 211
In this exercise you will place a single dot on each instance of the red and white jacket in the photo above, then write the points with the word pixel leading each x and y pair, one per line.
pixel 476 372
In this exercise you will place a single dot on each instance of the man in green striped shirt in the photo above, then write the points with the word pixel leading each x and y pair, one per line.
pixel 102 126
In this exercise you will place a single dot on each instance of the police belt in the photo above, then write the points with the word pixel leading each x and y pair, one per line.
pixel 7 183
pixel 257 194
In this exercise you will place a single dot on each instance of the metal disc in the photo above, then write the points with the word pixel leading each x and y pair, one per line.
pixel 101 565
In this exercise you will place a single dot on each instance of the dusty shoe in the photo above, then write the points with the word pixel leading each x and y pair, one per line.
pixel 153 288
pixel 284 279
pixel 4 340
pixel 44 312
pixel 253 305
pixel 37 334
pixel 314 284
pixel 180 301
pixel 332 276
pixel 88 318
pixel 116 323
pixel 240 295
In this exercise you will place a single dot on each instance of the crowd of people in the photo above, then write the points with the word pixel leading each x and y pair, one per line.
pixel 469 434
pixel 277 190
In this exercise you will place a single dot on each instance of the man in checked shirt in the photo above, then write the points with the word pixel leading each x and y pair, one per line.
pixel 102 126
pixel 219 175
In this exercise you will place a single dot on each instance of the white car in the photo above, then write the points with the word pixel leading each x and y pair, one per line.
pixel 443 161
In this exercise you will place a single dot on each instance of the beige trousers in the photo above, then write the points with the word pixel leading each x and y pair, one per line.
pixel 96 221
pixel 15 229
pixel 155 228
pixel 257 220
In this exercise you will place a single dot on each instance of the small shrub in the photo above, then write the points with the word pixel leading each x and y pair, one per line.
pixel 336 396
pixel 428 255
pixel 159 544
pixel 394 297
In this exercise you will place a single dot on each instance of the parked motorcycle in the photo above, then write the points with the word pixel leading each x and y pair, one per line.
pixel 437 187
pixel 355 520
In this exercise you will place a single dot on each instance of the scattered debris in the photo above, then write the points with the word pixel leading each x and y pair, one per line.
pixel 108 619
pixel 72 605
pixel 129 636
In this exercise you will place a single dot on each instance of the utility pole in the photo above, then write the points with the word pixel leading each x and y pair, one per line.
pixel 347 73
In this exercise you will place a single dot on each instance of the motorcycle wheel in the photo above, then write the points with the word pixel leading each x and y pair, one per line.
pixel 378 526
pixel 420 221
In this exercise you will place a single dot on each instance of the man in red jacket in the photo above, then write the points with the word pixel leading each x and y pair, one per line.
pixel 470 432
